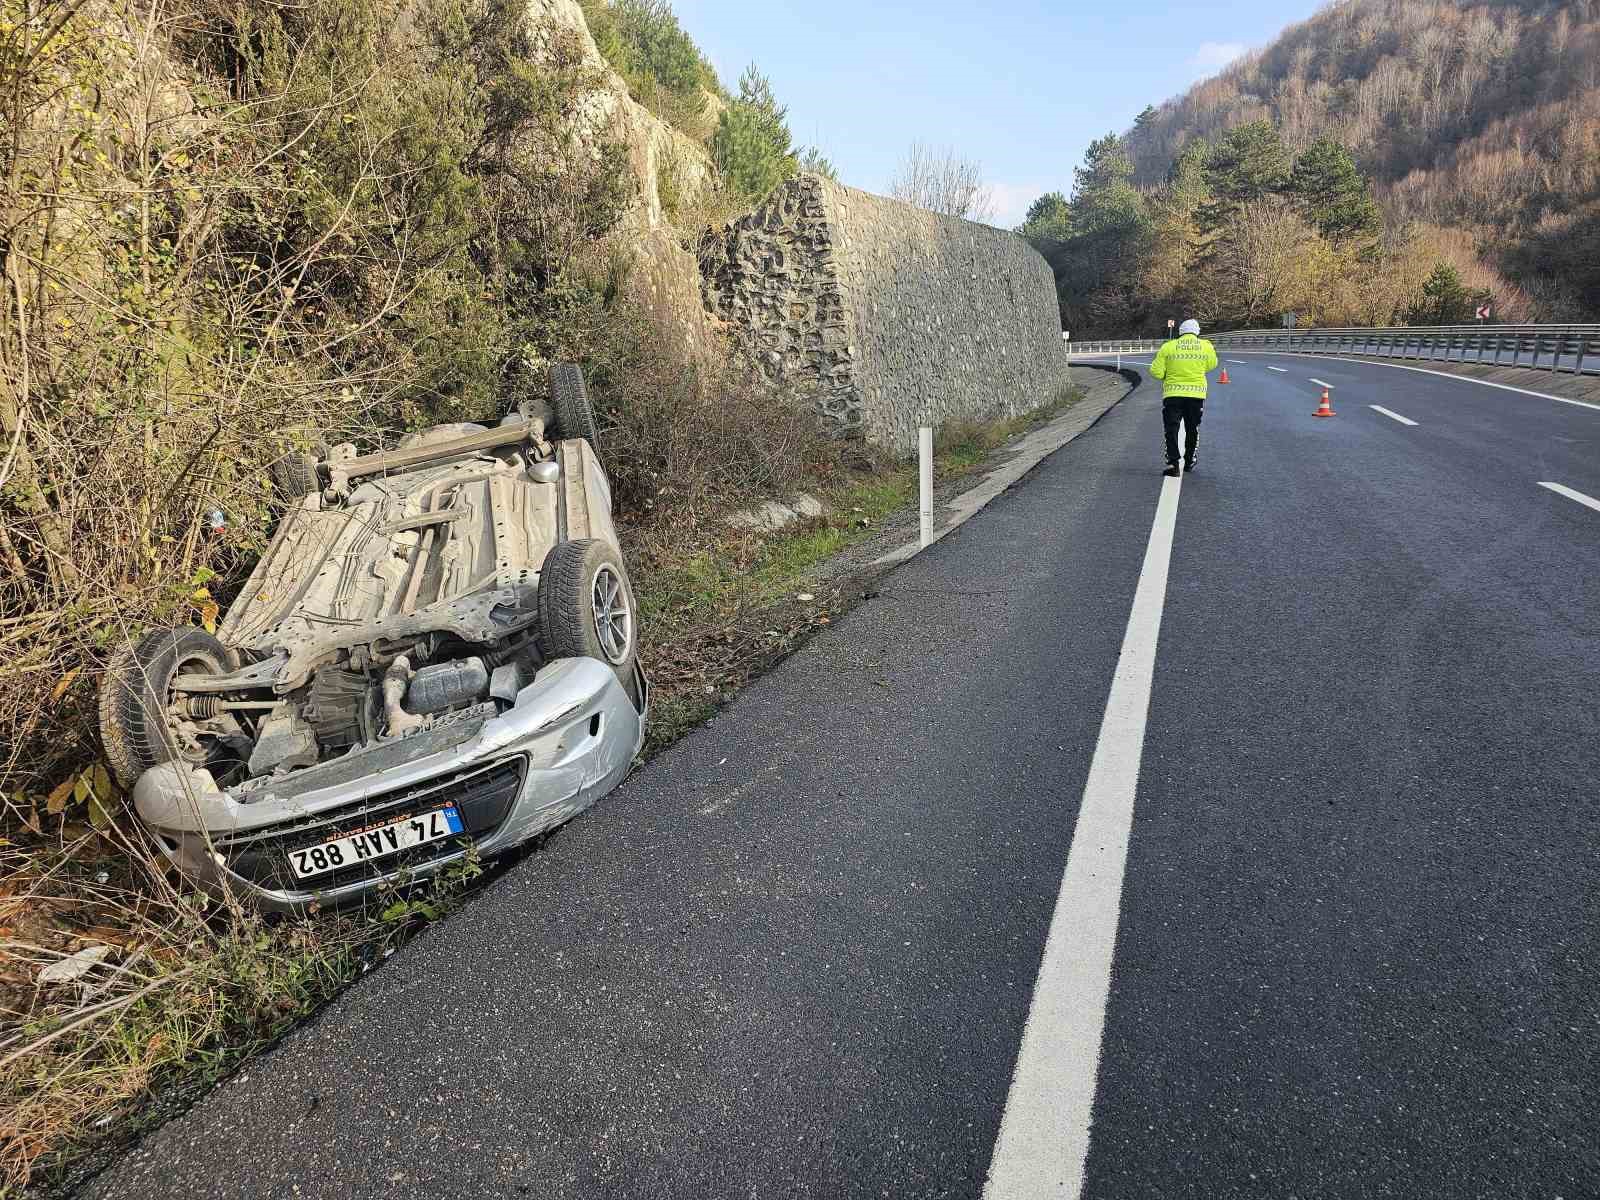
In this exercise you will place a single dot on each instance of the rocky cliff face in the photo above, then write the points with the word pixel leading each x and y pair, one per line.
pixel 665 278
pixel 888 316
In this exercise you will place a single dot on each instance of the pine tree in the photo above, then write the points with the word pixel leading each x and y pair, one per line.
pixel 1177 245
pixel 1247 164
pixel 1049 219
pixel 1445 299
pixel 813 161
pixel 752 143
pixel 1331 193
pixel 1103 195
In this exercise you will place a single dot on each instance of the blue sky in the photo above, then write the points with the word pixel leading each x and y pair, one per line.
pixel 1022 86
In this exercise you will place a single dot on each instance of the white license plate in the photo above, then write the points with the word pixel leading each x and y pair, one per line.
pixel 378 842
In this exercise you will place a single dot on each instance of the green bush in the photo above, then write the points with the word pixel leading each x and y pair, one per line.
pixel 455 184
pixel 1049 219
pixel 813 161
pixel 663 68
pixel 1444 299
pixel 752 144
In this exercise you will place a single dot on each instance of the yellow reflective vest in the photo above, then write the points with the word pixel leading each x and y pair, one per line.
pixel 1181 365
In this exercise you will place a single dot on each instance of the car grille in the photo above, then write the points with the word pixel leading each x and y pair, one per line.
pixel 483 796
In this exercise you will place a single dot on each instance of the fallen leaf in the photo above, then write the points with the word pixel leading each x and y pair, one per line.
pixel 56 801
pixel 94 784
pixel 99 813
pixel 65 682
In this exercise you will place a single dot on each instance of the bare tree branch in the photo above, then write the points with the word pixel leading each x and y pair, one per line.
pixel 943 181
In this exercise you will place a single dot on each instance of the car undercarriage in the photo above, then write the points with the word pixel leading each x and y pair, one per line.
pixel 437 653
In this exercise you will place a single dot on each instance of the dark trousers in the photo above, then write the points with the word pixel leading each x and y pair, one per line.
pixel 1181 408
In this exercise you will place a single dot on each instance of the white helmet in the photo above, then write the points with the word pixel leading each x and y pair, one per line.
pixel 1190 326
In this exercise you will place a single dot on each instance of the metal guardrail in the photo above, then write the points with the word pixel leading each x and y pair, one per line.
pixel 1571 349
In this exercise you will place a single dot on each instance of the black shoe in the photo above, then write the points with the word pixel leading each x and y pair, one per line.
pixel 1172 471
pixel 1188 465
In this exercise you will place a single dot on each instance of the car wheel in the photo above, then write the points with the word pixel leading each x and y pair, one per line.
pixel 295 476
pixel 136 696
pixel 570 404
pixel 586 608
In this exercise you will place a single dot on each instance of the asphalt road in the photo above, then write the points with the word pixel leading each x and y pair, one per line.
pixel 1359 914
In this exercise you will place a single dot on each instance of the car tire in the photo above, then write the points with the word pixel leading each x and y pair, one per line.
pixel 570 405
pixel 135 692
pixel 587 609
pixel 295 476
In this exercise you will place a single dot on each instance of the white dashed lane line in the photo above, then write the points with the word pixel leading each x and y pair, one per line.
pixel 1238 362
pixel 1393 416
pixel 1279 370
pixel 1560 490
pixel 1322 383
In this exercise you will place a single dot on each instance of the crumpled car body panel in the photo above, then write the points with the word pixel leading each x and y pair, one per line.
pixel 571 737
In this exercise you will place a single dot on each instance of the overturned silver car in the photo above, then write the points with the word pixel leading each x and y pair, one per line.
pixel 436 652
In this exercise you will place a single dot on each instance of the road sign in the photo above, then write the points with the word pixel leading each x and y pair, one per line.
pixel 1170 322
pixel 1290 319
pixel 1484 311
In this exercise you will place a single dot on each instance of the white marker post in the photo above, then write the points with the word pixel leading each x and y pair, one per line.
pixel 925 454
pixel 1066 340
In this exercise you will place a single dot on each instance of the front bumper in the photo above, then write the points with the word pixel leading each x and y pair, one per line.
pixel 569 739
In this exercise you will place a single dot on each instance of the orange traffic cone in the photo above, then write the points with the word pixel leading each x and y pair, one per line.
pixel 1224 377
pixel 1326 410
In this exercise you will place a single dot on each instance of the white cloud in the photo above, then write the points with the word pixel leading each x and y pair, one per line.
pixel 1012 201
pixel 1211 57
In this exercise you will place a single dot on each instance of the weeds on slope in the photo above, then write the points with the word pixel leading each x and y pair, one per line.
pixel 119 988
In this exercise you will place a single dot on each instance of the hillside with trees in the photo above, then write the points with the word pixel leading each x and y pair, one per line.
pixel 1386 161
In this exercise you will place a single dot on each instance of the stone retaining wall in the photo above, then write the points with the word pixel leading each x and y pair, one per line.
pixel 886 316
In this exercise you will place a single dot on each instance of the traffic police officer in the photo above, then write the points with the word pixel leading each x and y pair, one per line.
pixel 1182 365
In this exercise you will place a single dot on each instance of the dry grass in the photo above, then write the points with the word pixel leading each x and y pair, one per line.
pixel 179 986
pixel 163 338
pixel 182 988
pixel 682 443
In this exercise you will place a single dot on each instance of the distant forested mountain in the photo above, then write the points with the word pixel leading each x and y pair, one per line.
pixel 1475 126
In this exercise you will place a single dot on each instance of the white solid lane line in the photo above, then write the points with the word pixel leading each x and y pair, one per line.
pixel 1559 490
pixel 1279 370
pixel 1044 1135
pixel 1321 383
pixel 1393 416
